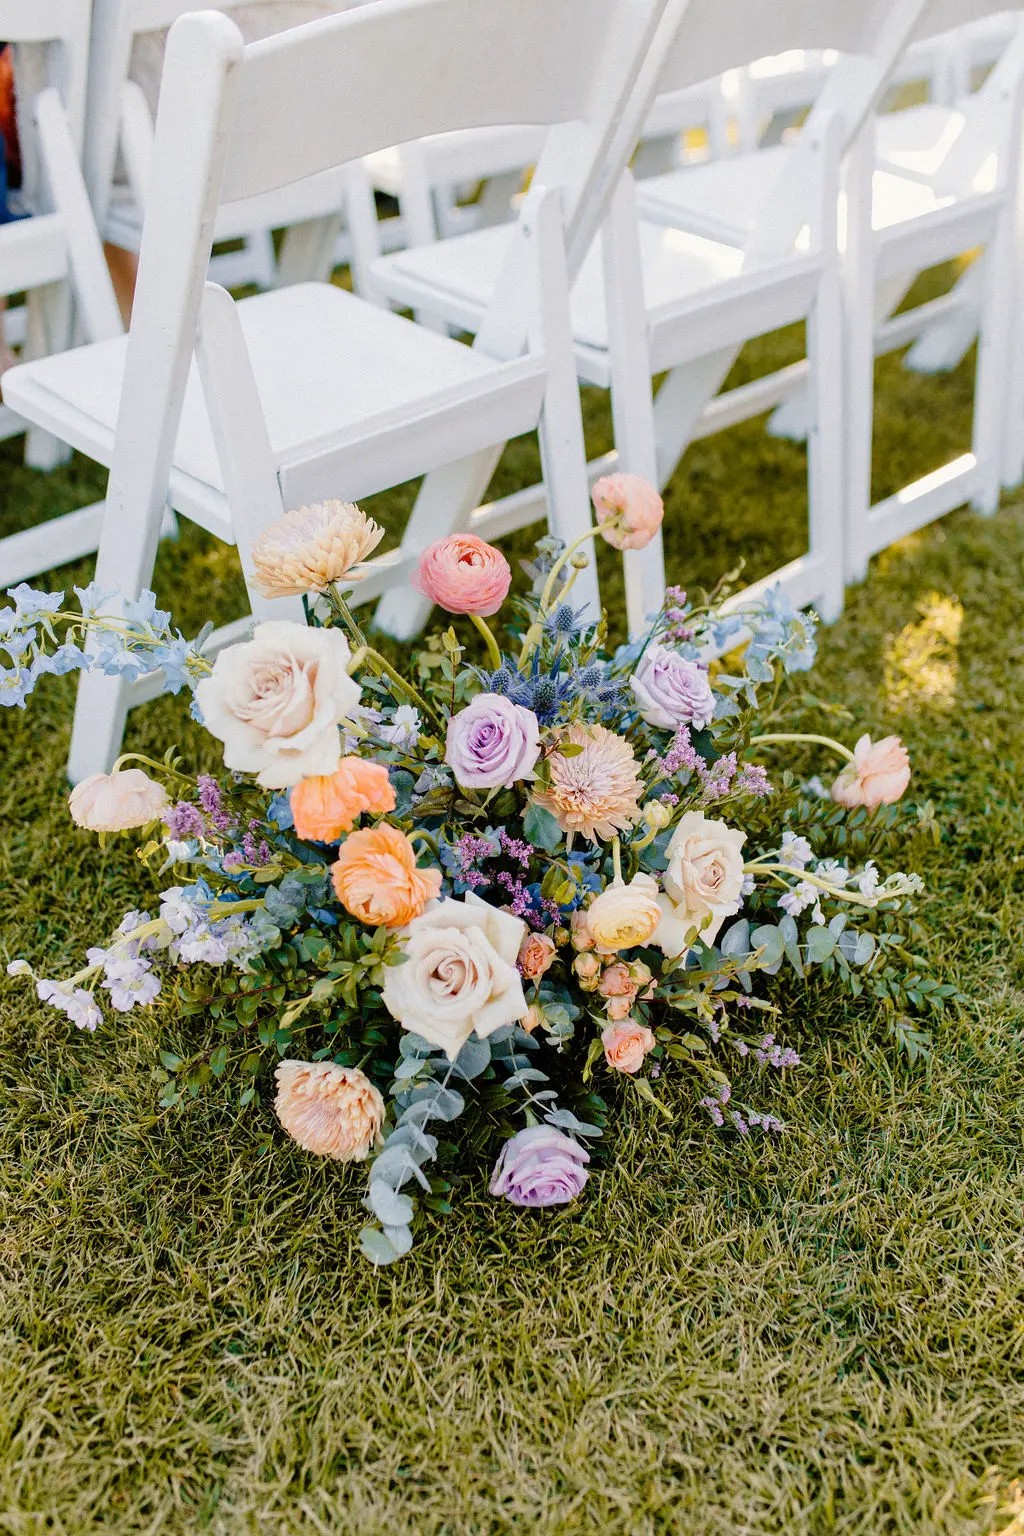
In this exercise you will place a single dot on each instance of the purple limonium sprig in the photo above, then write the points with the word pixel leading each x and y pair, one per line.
pixel 677 615
pixel 753 780
pixel 769 1054
pixel 717 780
pixel 184 821
pixel 516 848
pixel 212 802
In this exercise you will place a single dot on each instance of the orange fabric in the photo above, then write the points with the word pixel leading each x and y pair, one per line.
pixel 8 121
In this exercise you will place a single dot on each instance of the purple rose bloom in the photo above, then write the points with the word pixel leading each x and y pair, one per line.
pixel 492 742
pixel 672 691
pixel 540 1166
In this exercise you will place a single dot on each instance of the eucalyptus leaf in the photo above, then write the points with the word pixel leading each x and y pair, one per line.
pixel 390 1207
pixel 376 1247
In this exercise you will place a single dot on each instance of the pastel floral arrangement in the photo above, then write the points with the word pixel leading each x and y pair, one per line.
pixel 456 901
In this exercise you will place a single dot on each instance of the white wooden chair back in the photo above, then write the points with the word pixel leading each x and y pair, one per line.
pixel 115 26
pixel 51 40
pixel 56 251
pixel 867 36
pixel 216 142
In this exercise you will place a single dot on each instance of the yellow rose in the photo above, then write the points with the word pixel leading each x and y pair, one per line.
pixel 624 916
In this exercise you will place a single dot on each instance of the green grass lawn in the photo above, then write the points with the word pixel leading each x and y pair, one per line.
pixel 824 1333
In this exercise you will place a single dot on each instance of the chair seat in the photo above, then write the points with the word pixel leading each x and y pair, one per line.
pixel 917 141
pixel 721 200
pixel 460 275
pixel 328 367
pixel 725 199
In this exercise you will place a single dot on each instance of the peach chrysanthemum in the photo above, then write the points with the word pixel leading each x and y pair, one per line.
pixel 330 1110
pixel 595 792
pixel 311 547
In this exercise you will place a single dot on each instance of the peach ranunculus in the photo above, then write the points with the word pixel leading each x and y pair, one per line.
pixel 536 955
pixel 626 1044
pixel 633 507
pixel 308 549
pixel 624 916
pixel 330 1110
pixel 376 878
pixel 116 802
pixel 329 804
pixel 878 775
pixel 276 702
pixel 703 882
pixel 463 574
pixel 459 974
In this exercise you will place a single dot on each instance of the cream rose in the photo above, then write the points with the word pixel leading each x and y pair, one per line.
pixel 459 973
pixel 703 882
pixel 276 702
pixel 623 916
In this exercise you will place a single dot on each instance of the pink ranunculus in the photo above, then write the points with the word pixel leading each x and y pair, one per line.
pixel 878 775
pixel 463 574
pixel 633 507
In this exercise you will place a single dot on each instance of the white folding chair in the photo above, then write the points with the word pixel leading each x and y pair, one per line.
pixel 903 222
pixel 53 255
pixel 121 115
pixel 911 144
pixel 425 176
pixel 685 302
pixel 51 42
pixel 309 392
pixel 918 222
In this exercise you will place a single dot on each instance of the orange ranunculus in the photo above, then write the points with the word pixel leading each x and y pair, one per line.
pixel 329 804
pixel 376 878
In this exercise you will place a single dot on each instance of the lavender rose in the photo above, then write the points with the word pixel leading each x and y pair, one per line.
pixel 672 691
pixel 540 1166
pixel 492 742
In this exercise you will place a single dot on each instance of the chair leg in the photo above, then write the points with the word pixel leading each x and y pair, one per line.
pixel 859 394
pixel 631 391
pixel 825 444
pixel 124 564
pixel 992 373
pixel 679 402
pixel 307 252
pixel 859 309
pixel 47 330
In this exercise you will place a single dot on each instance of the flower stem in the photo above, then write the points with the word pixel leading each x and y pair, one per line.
pixel 565 557
pixel 617 860
pixel 344 611
pixel 821 741
pixel 384 668
pixel 837 891
pixel 140 757
pixel 483 628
